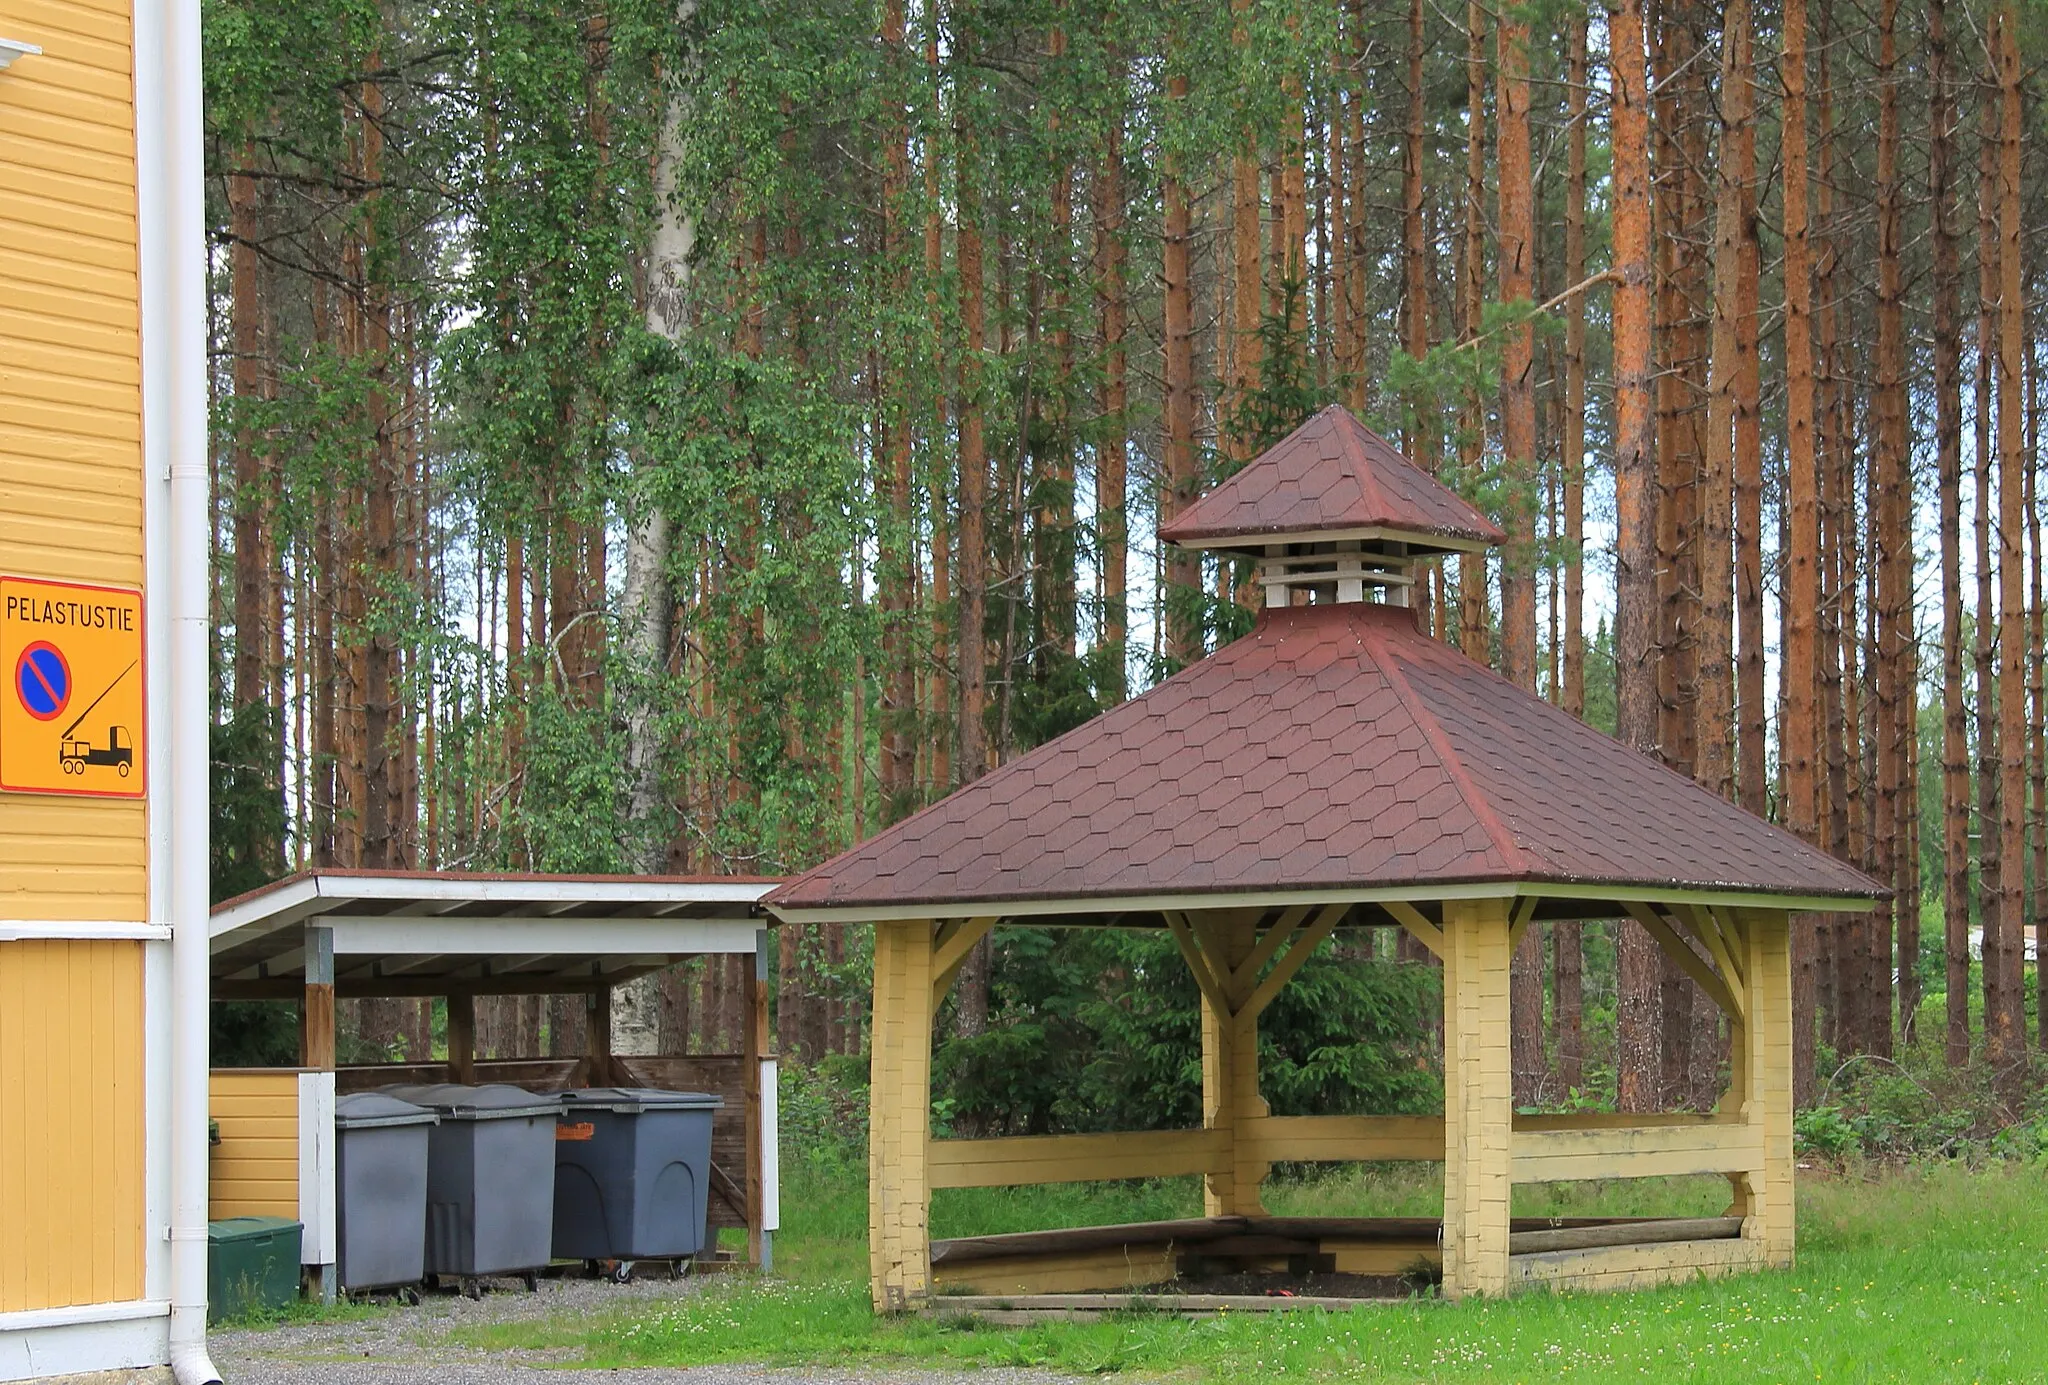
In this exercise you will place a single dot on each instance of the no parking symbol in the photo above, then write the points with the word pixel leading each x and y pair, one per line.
pixel 72 716
pixel 42 680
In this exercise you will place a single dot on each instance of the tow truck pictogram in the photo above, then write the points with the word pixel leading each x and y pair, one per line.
pixel 76 756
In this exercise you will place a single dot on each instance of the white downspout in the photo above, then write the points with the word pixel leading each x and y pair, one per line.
pixel 170 195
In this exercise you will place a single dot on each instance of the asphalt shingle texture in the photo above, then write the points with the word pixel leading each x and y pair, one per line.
pixel 1333 747
pixel 1332 473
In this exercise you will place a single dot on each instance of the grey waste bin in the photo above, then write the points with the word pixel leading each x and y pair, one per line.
pixel 490 1177
pixel 632 1173
pixel 380 1178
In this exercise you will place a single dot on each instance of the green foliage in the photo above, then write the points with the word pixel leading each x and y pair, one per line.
pixel 1094 1029
pixel 246 836
pixel 1915 1108
pixel 247 817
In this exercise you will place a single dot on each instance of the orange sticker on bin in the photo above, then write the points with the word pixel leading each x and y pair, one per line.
pixel 582 1130
pixel 73 712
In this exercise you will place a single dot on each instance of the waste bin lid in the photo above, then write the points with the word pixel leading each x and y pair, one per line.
pixel 369 1110
pixel 489 1102
pixel 233 1229
pixel 631 1100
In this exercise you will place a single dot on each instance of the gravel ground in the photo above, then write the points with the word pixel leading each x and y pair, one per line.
pixel 410 1346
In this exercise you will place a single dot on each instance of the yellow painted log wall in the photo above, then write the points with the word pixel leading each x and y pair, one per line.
pixel 71 393
pixel 254 1171
pixel 71 1123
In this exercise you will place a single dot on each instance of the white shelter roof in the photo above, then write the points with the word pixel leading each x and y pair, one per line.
pixel 432 932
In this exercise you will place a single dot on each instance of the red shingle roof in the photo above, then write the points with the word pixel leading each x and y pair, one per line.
pixel 1332 473
pixel 1333 747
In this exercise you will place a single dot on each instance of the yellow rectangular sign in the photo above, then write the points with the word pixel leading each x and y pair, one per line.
pixel 73 713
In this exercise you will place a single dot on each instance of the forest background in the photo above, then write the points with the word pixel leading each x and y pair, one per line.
pixel 686 438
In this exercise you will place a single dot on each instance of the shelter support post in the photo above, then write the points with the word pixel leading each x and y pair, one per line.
pixel 1478 1097
pixel 899 1117
pixel 316 1117
pixel 1230 1076
pixel 316 1009
pixel 1763 1043
pixel 462 1037
pixel 754 1048
pixel 1227 954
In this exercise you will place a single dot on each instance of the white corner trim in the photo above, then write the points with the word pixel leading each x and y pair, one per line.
pixel 771 1147
pixel 317 1208
pixel 12 48
pixel 30 930
pixel 124 1337
pixel 30 1319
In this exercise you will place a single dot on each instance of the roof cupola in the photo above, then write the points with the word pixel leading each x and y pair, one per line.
pixel 1334 511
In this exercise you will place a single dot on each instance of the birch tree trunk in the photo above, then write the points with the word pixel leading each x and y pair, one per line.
pixel 648 600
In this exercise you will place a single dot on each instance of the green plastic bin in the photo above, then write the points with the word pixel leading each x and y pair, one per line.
pixel 251 1262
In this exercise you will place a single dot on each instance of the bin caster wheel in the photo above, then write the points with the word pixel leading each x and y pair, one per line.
pixel 531 1279
pixel 622 1272
pixel 409 1296
pixel 473 1289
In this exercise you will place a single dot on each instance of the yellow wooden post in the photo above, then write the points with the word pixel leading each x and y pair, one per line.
pixel 1765 1043
pixel 1230 1070
pixel 899 1118
pixel 1478 1097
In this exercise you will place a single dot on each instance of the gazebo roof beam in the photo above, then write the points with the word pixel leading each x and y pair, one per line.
pixel 1049 910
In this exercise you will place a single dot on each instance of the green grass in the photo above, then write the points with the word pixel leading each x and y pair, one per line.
pixel 1935 1274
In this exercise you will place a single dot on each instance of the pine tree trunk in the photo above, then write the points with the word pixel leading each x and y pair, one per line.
pixel 1800 741
pixel 1246 273
pixel 1896 688
pixel 1424 433
pixel 380 515
pixel 972 482
pixel 246 318
pixel 1989 837
pixel 1179 477
pixel 1472 633
pixel 1635 514
pixel 896 571
pixel 2037 696
pixel 1351 226
pixel 940 713
pixel 1111 479
pixel 1948 448
pixel 1573 410
pixel 1716 704
pixel 1518 360
pixel 2010 1030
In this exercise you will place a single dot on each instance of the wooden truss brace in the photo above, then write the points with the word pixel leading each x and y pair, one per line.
pixel 1518 923
pixel 951 942
pixel 1238 991
pixel 1413 919
pixel 1724 991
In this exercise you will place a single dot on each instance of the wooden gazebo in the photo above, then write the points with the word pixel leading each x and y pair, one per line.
pixel 1335 768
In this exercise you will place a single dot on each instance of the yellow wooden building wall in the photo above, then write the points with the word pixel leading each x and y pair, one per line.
pixel 254 1171
pixel 71 1123
pixel 71 393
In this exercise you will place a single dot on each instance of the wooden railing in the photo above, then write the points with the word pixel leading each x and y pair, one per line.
pixel 1559 1154
pixel 1546 1149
